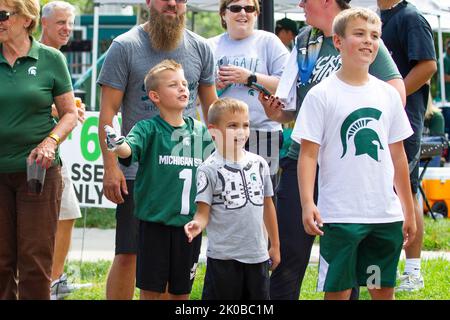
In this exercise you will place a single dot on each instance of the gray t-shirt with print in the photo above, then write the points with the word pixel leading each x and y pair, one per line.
pixel 235 191
pixel 262 52
pixel 131 56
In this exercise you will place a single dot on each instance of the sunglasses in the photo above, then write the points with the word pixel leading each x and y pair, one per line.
pixel 235 8
pixel 4 15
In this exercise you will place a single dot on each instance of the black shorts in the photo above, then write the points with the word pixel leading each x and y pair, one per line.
pixel 165 257
pixel 412 150
pixel 234 280
pixel 127 224
pixel 416 114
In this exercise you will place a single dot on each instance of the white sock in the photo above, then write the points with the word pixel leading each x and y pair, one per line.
pixel 412 266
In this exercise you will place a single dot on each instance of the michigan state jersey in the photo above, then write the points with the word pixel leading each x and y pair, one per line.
pixel 168 157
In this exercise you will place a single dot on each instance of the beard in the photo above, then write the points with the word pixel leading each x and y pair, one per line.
pixel 165 34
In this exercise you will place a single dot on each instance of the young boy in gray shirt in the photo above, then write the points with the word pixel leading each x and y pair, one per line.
pixel 234 203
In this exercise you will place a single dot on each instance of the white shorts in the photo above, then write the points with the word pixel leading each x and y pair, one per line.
pixel 70 208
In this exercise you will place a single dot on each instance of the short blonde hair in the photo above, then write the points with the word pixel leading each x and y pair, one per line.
pixel 223 7
pixel 152 78
pixel 344 17
pixel 225 105
pixel 27 8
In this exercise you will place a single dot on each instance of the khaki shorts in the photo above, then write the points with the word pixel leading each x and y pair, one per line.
pixel 70 208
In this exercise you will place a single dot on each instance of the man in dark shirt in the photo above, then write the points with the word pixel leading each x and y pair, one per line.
pixel 409 38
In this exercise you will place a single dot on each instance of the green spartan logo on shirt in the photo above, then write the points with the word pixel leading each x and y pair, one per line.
pixel 355 125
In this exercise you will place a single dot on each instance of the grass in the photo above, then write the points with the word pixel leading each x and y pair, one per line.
pixel 437 233
pixel 436 273
pixel 101 218
pixel 436 277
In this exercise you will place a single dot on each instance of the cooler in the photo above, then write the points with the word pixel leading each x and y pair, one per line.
pixel 436 185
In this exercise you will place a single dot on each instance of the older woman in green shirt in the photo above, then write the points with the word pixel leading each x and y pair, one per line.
pixel 33 77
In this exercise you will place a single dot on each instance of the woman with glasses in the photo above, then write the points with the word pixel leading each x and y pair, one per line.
pixel 245 56
pixel 33 77
pixel 313 59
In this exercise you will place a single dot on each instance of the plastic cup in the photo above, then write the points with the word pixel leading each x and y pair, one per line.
pixel 35 177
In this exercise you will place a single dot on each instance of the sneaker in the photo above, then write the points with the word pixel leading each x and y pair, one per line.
pixel 410 282
pixel 61 287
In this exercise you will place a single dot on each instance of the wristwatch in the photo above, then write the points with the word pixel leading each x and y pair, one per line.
pixel 251 79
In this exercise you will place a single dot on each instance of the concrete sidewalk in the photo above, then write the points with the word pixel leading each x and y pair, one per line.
pixel 99 245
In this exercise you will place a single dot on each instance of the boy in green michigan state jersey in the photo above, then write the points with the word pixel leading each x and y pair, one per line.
pixel 353 125
pixel 168 148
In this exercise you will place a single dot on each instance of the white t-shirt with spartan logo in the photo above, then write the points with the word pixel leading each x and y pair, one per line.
pixel 354 126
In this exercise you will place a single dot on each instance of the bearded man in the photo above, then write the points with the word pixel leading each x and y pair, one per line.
pixel 129 58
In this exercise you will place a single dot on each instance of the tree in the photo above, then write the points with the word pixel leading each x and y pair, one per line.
pixel 206 24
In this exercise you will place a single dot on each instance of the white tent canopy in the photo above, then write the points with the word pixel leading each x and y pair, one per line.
pixel 430 8
pixel 285 6
pixel 213 5
pixel 437 13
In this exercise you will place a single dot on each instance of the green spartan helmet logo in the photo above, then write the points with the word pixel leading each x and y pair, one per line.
pixel 355 125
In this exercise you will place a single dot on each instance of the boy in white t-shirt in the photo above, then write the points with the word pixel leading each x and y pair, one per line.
pixel 353 125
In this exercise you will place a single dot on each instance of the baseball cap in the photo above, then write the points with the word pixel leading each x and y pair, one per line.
pixel 288 24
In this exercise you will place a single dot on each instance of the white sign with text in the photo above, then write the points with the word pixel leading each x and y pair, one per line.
pixel 82 154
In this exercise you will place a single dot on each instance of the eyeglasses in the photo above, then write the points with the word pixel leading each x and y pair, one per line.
pixel 177 1
pixel 4 15
pixel 236 8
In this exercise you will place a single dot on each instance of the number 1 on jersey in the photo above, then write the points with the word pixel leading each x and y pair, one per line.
pixel 186 176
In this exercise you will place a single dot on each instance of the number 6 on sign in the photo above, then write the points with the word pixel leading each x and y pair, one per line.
pixel 186 175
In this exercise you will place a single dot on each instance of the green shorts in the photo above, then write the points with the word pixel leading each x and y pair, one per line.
pixel 359 254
